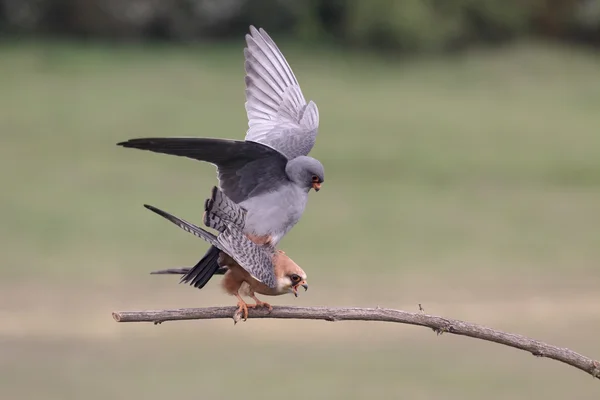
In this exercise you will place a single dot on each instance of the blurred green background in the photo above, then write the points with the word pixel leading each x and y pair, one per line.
pixel 467 181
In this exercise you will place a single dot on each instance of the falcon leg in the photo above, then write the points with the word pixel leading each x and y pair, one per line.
pixel 242 306
pixel 259 303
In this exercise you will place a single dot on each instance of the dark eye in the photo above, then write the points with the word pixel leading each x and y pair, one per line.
pixel 315 178
pixel 295 278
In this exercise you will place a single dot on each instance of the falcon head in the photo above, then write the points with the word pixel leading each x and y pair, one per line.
pixel 306 172
pixel 297 281
pixel 289 275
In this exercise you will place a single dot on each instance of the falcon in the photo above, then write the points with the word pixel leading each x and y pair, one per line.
pixel 248 268
pixel 269 173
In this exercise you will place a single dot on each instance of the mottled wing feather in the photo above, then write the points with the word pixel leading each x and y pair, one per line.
pixel 187 226
pixel 244 169
pixel 278 115
pixel 254 259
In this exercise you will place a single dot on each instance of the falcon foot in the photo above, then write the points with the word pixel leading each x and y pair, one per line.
pixel 242 309
pixel 260 304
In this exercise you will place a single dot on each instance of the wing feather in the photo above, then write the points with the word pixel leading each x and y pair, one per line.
pixel 278 115
pixel 251 257
pixel 244 169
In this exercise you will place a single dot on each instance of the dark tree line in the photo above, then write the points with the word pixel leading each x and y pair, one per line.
pixel 399 25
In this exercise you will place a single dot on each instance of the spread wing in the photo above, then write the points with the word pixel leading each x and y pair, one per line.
pixel 256 261
pixel 245 169
pixel 278 115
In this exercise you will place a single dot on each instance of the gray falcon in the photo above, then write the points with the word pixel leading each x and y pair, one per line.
pixel 269 173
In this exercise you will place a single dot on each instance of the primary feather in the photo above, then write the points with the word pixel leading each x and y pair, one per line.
pixel 255 260
pixel 244 169
pixel 278 115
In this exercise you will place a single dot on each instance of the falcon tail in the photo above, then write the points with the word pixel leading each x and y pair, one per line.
pixel 220 209
pixel 199 275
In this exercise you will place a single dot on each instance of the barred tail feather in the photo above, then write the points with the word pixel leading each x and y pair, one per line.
pixel 225 209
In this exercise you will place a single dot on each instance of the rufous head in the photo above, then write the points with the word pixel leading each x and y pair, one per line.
pixel 289 274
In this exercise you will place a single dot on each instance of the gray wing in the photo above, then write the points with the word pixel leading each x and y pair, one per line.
pixel 187 226
pixel 278 115
pixel 245 169
pixel 256 261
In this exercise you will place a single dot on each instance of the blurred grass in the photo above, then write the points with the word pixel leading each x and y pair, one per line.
pixel 469 184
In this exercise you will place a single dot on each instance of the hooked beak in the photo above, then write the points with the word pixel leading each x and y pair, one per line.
pixel 295 288
pixel 316 186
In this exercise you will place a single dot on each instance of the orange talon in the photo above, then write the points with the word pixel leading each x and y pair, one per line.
pixel 242 307
pixel 260 304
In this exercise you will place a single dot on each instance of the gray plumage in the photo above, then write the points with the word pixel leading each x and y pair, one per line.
pixel 244 169
pixel 256 260
pixel 269 173
pixel 278 115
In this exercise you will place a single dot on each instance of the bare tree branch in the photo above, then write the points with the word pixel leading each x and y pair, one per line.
pixel 438 324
